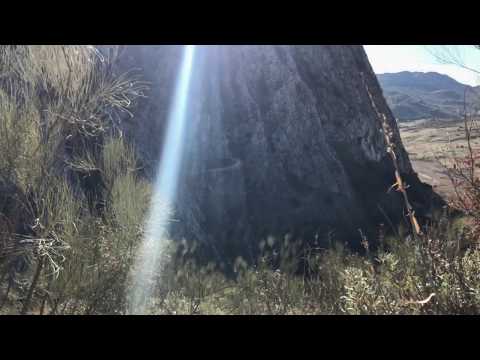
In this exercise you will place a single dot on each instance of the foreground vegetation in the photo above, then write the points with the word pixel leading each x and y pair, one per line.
pixel 72 205
pixel 70 197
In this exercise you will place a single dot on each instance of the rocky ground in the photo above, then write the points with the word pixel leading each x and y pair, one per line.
pixel 432 145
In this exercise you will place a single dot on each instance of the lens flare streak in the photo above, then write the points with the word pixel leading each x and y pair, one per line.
pixel 156 229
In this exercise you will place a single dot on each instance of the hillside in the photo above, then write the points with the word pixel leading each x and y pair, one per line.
pixel 417 95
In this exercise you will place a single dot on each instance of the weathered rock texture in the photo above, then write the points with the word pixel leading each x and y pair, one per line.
pixel 280 139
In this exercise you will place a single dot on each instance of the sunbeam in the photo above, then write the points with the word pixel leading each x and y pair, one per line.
pixel 156 232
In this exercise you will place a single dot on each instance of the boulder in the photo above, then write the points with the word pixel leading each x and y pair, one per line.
pixel 280 139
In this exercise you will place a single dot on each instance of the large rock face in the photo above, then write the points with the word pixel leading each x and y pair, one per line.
pixel 280 139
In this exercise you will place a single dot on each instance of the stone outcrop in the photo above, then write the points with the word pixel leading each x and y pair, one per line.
pixel 280 139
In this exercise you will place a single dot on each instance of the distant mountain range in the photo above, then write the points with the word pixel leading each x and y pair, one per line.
pixel 418 95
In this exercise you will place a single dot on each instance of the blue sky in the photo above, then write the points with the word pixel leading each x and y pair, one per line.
pixel 395 58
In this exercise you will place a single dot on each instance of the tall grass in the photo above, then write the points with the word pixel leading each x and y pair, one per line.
pixel 66 179
pixel 402 277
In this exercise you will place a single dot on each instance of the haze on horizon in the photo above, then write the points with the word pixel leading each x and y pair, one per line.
pixel 420 58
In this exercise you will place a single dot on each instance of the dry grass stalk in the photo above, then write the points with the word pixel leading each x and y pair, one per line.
pixel 399 185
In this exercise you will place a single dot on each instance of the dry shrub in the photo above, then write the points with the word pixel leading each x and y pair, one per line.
pixel 58 105
pixel 463 174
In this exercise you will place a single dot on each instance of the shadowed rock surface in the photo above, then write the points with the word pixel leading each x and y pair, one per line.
pixel 280 139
